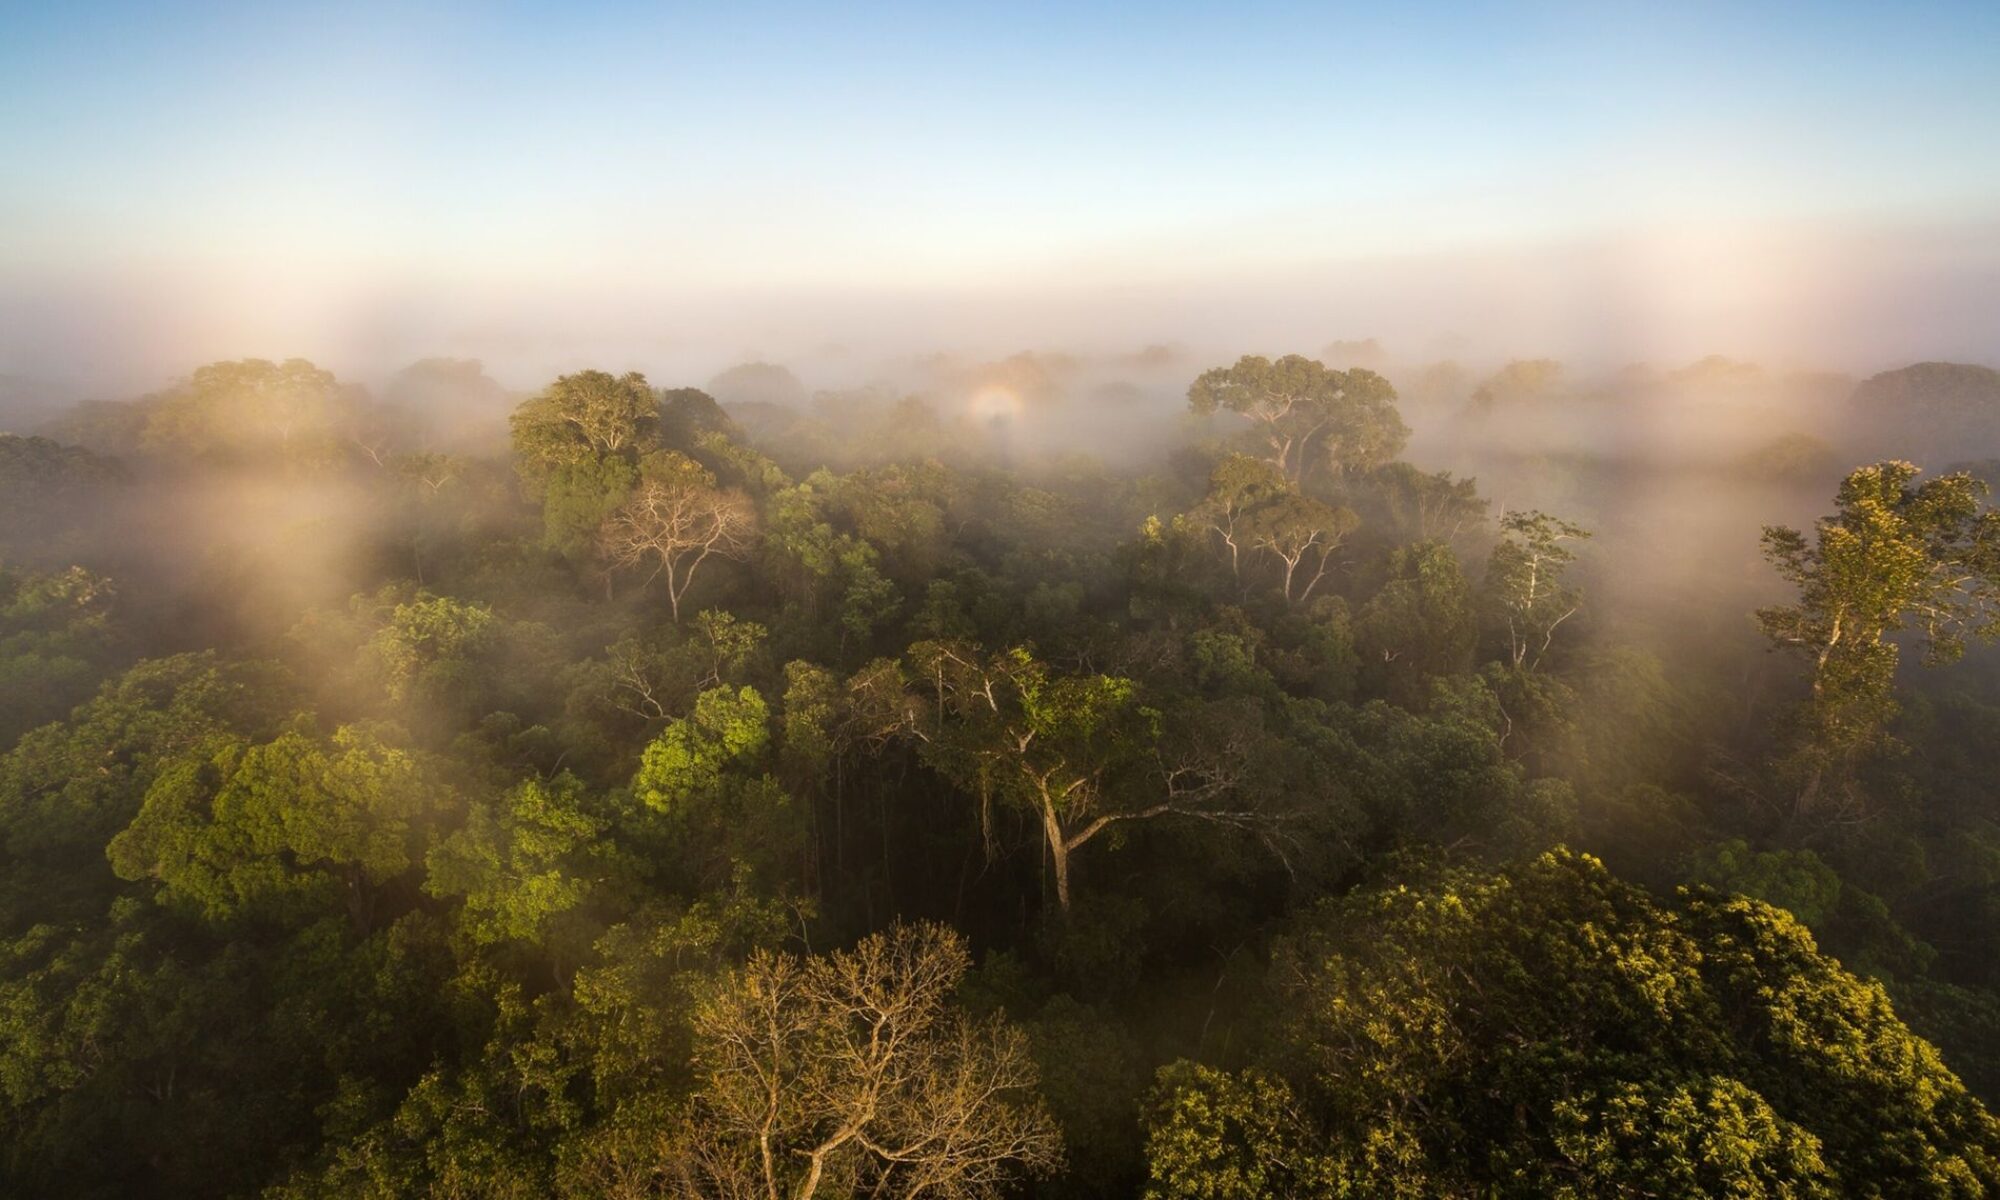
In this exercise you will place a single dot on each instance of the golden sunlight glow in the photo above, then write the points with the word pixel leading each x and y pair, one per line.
pixel 994 403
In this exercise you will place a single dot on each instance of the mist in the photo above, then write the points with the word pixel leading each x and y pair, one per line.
pixel 625 602
pixel 1850 295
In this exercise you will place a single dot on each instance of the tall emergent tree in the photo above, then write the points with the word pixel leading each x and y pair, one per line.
pixel 1306 417
pixel 586 415
pixel 1238 487
pixel 1895 556
pixel 577 447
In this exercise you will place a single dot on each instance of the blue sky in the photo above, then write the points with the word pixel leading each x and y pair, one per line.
pixel 510 156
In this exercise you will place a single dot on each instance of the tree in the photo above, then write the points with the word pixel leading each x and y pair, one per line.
pixel 1422 624
pixel 1524 586
pixel 238 412
pixel 453 401
pixel 1522 380
pixel 722 813
pixel 588 415
pixel 435 498
pixel 687 760
pixel 1307 417
pixel 852 1074
pixel 578 498
pixel 688 416
pixel 1302 534
pixel 56 632
pixel 1238 487
pixel 431 647
pixel 577 449
pixel 759 383
pixel 1079 751
pixel 1546 1030
pixel 281 829
pixel 67 788
pixel 1895 556
pixel 676 521
pixel 1426 506
pixel 1928 408
pixel 1252 507
pixel 49 492
pixel 520 864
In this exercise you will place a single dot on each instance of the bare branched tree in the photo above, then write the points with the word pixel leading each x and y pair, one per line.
pixel 676 526
pixel 852 1074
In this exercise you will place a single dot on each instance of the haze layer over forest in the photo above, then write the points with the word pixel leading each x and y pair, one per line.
pixel 627 603
pixel 642 756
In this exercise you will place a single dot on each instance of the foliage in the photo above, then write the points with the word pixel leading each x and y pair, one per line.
pixel 1307 418
pixel 1896 555
pixel 56 636
pixel 239 413
pixel 1524 584
pixel 1546 1030
pixel 521 863
pixel 281 828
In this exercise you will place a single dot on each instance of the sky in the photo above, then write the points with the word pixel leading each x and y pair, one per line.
pixel 550 185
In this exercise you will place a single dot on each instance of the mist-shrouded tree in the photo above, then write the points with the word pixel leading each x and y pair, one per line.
pixel 583 416
pixel 676 521
pixel 759 383
pixel 431 647
pixel 1302 534
pixel 1306 418
pixel 56 632
pixel 1521 380
pixel 1426 506
pixel 1929 408
pixel 50 492
pixel 689 416
pixel 1895 556
pixel 577 448
pixel 1238 487
pixel 1547 1030
pixel 454 403
pixel 1422 624
pixel 244 412
pixel 1524 584
pixel 436 491
pixel 1252 510
pixel 849 1074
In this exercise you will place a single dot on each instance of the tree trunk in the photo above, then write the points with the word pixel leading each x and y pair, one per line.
pixel 1058 852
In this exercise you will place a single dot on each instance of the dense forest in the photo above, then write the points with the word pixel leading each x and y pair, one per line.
pixel 1310 776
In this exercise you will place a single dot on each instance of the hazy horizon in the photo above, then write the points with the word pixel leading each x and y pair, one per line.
pixel 677 191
